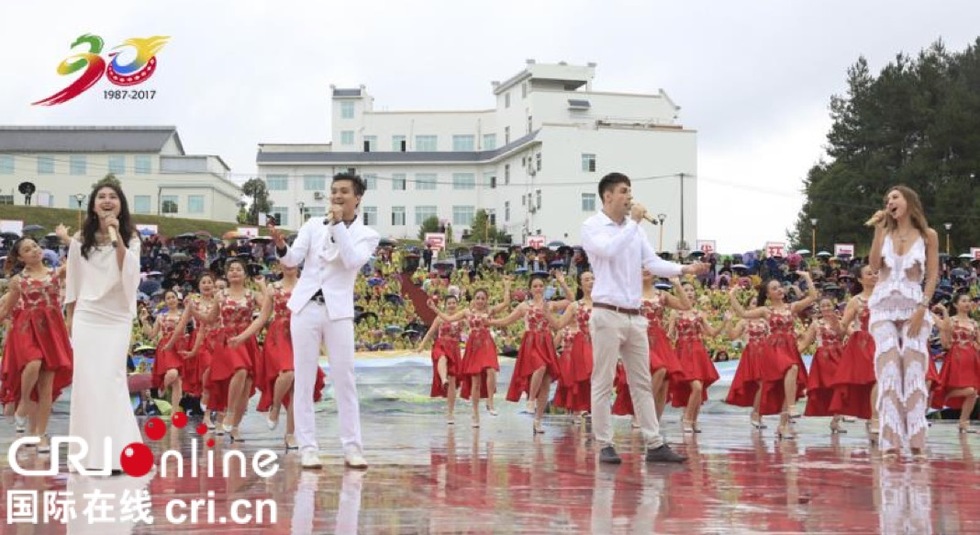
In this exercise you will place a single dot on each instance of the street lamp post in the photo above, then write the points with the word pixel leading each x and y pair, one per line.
pixel 948 226
pixel 661 217
pixel 813 237
pixel 80 198
pixel 300 205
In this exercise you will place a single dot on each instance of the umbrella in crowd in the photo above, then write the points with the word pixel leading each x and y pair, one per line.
pixel 387 242
pixel 33 228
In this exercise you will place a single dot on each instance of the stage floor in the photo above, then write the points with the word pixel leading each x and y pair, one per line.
pixel 430 477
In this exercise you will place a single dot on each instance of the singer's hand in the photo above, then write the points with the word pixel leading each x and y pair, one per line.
pixel 276 234
pixel 336 213
pixel 697 268
pixel 637 211
pixel 110 220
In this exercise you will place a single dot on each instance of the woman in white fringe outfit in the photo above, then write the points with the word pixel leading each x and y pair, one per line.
pixel 102 281
pixel 905 253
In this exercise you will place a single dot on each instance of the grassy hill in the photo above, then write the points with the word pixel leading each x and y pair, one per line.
pixel 49 218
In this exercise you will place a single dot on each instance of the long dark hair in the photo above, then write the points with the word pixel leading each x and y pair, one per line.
pixel 856 286
pixel 763 297
pixel 91 224
pixel 13 257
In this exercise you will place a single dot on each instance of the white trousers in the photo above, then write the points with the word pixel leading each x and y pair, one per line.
pixel 614 336
pixel 309 328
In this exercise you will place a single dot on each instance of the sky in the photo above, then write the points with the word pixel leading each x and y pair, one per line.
pixel 754 78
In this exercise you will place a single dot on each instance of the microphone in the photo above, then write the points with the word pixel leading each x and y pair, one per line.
pixel 113 235
pixel 329 219
pixel 648 217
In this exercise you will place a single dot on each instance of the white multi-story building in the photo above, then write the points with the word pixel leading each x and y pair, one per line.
pixel 533 161
pixel 157 176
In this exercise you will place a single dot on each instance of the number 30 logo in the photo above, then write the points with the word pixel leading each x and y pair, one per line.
pixel 135 72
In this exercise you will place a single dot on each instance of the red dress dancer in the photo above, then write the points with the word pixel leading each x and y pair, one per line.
pixel 745 383
pixel 781 354
pixel 961 368
pixel 855 377
pixel 233 318
pixel 662 357
pixel 201 342
pixel 37 333
pixel 168 358
pixel 537 350
pixel 822 371
pixel 277 354
pixel 479 355
pixel 446 346
pixel 695 363
pixel 623 404
pixel 575 388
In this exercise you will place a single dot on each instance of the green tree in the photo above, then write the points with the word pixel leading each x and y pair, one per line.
pixel 430 224
pixel 913 123
pixel 481 231
pixel 255 190
pixel 108 179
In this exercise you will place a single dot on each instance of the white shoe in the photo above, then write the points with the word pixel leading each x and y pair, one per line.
pixel 311 459
pixel 271 424
pixel 355 461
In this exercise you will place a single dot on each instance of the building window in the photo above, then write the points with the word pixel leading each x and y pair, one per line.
pixel 489 181
pixel 168 204
pixel 141 204
pixel 463 143
pixel 277 182
pixel 314 182
pixel 398 181
pixel 371 181
pixel 6 164
pixel 45 165
pixel 398 144
pixel 397 216
pixel 426 143
pixel 588 202
pixel 537 161
pixel 506 135
pixel 195 204
pixel 347 110
pixel 529 122
pixel 524 90
pixel 77 164
pixel 507 99
pixel 371 143
pixel 463 215
pixel 489 141
pixel 588 163
pixel 506 211
pixel 425 181
pixel 117 165
pixel 143 165
pixel 281 213
pixel 537 196
pixel 507 174
pixel 370 214
pixel 424 212
pixel 347 137
pixel 464 181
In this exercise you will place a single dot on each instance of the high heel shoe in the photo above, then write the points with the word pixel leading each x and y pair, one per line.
pixel 965 428
pixel 44 446
pixel 20 423
pixel 537 428
pixel 290 445
pixel 756 420
pixel 835 427
pixel 687 426
pixel 785 430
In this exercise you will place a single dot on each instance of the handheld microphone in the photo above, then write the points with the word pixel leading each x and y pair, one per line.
pixel 113 235
pixel 329 219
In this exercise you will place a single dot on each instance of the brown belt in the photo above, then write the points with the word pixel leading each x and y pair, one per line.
pixel 621 310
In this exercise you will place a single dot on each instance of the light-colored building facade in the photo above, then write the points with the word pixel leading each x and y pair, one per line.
pixel 158 177
pixel 533 161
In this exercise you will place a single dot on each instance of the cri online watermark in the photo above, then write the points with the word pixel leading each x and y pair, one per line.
pixel 136 460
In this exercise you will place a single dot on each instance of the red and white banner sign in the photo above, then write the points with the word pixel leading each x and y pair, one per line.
pixel 975 252
pixel 147 230
pixel 775 248
pixel 535 242
pixel 248 232
pixel 435 241
pixel 843 249
pixel 706 246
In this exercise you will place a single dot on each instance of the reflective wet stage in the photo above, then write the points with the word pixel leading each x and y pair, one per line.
pixel 429 477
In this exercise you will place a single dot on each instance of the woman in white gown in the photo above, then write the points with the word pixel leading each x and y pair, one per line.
pixel 103 277
pixel 905 254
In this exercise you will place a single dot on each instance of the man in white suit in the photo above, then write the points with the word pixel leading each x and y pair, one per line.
pixel 332 250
